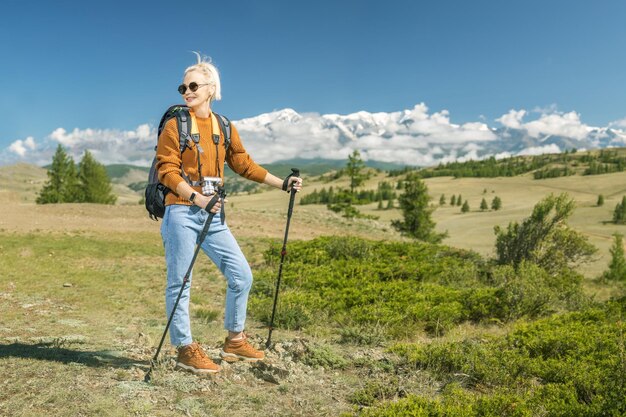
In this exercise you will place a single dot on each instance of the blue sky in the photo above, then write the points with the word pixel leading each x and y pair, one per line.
pixel 116 65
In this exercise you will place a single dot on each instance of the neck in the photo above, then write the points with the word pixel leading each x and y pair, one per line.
pixel 203 110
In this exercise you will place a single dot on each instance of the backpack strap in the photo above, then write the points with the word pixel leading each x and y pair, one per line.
pixel 186 135
pixel 184 128
pixel 225 127
pixel 188 132
pixel 181 112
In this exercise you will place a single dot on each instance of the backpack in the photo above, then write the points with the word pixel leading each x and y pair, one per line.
pixel 155 191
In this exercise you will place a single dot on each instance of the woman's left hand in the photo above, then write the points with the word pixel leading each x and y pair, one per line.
pixel 295 183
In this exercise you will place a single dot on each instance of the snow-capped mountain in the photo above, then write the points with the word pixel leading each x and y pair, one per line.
pixel 416 137
pixel 409 137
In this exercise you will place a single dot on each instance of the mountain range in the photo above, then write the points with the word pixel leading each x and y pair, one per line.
pixel 415 137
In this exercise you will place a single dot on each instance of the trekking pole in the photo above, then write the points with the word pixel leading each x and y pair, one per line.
pixel 205 230
pixel 294 172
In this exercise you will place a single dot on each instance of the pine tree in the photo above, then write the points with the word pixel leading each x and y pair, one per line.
pixel 453 200
pixel 459 200
pixel 62 185
pixel 483 205
pixel 442 200
pixel 380 203
pixel 416 212
pixel 496 203
pixel 354 169
pixel 544 238
pixel 390 204
pixel 465 207
pixel 600 201
pixel 95 183
pixel 619 214
pixel 617 267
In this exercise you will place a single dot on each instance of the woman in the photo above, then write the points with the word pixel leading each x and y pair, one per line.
pixel 186 213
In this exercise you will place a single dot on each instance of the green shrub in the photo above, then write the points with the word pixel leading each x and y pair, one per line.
pixel 572 364
pixel 291 312
pixel 402 287
pixel 363 335
pixel 376 391
pixel 324 356
pixel 530 291
pixel 544 238
pixel 348 248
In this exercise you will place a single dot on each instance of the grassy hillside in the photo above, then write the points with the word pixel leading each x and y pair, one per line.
pixel 372 328
pixel 473 230
pixel 20 183
pixel 368 324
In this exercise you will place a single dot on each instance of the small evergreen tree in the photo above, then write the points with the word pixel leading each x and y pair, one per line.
pixel 453 200
pixel 459 200
pixel 496 203
pixel 483 205
pixel 442 200
pixel 62 185
pixel 465 207
pixel 617 267
pixel 380 204
pixel 619 215
pixel 600 201
pixel 544 238
pixel 95 183
pixel 389 204
pixel 354 169
pixel 416 212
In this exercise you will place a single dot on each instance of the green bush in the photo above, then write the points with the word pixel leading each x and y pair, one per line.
pixel 530 291
pixel 566 365
pixel 376 391
pixel 401 287
pixel 324 356
pixel 363 335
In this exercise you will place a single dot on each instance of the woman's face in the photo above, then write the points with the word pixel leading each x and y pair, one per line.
pixel 204 92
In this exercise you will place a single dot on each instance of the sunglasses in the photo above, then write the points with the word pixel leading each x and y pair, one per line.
pixel 193 86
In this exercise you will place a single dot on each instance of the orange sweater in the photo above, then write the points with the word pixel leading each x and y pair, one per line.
pixel 169 158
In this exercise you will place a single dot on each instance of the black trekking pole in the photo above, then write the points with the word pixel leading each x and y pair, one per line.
pixel 296 173
pixel 205 230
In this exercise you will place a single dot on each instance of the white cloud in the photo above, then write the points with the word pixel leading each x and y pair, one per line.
pixel 540 150
pixel 20 147
pixel 618 124
pixel 109 145
pixel 549 123
pixel 513 119
pixel 567 124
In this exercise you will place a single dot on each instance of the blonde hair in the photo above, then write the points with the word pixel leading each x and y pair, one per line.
pixel 206 67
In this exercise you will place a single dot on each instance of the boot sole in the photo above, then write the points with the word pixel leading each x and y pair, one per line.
pixel 233 357
pixel 196 371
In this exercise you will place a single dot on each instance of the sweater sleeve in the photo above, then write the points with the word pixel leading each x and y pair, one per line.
pixel 239 160
pixel 168 156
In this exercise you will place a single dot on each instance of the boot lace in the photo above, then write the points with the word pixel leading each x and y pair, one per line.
pixel 196 352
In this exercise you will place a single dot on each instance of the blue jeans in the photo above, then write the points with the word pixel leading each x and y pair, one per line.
pixel 180 230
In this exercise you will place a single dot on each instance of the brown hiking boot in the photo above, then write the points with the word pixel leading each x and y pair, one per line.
pixel 192 358
pixel 240 349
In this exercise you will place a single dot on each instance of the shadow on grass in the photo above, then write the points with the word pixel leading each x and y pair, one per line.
pixel 53 352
